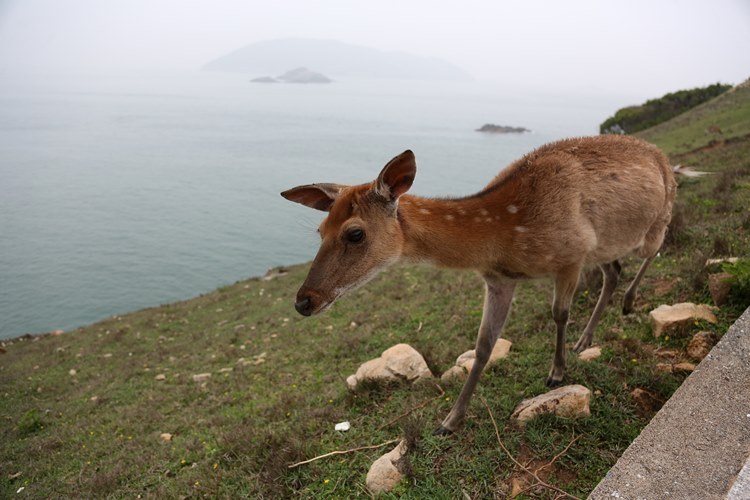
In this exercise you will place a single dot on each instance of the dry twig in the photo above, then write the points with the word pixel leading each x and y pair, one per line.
pixel 540 482
pixel 343 452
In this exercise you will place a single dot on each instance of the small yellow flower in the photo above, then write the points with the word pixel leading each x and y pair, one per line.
pixel 216 466
pixel 634 360
pixel 326 481
pixel 183 461
pixel 666 337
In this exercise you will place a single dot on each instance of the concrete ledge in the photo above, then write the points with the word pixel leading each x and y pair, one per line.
pixel 697 445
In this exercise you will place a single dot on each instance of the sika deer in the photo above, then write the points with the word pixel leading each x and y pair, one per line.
pixel 564 206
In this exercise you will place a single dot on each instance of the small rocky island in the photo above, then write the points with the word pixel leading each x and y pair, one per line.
pixel 298 75
pixel 501 129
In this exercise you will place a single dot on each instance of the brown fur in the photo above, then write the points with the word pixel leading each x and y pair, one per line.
pixel 566 205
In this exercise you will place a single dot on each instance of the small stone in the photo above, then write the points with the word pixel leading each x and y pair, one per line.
pixel 72 372
pixel 683 367
pixel 342 426
pixel 666 318
pixel 384 474
pixel 664 367
pixel 454 373
pixel 500 351
pixel 201 377
pixel 700 345
pixel 94 399
pixel 107 355
pixel 226 370
pixel 165 436
pixel 570 401
pixel 400 362
pixel 646 400
pixel 667 353
pixel 57 332
pixel 590 354
pixel 160 377
pixel 720 286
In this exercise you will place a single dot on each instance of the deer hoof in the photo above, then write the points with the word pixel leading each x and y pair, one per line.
pixel 442 431
pixel 551 382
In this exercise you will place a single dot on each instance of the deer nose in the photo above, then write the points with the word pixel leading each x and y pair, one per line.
pixel 304 306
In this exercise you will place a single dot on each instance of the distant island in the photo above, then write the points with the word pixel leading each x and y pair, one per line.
pixel 298 75
pixel 501 129
pixel 334 58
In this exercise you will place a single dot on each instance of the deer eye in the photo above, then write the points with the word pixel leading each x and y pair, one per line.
pixel 354 235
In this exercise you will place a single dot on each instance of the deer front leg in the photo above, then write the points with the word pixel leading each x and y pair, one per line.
pixel 497 299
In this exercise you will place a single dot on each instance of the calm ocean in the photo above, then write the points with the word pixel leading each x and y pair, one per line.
pixel 121 192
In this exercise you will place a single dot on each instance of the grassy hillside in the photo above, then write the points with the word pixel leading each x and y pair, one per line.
pixel 654 111
pixel 83 412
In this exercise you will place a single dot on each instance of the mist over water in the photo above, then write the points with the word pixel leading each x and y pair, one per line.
pixel 119 192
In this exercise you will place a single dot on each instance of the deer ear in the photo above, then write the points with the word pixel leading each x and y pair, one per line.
pixel 397 176
pixel 317 196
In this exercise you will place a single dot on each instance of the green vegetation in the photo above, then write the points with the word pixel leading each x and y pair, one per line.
pixel 740 281
pixel 83 413
pixel 636 118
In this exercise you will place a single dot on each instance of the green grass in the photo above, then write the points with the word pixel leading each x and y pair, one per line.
pixel 97 433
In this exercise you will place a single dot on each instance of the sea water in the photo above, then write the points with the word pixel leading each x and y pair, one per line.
pixel 119 192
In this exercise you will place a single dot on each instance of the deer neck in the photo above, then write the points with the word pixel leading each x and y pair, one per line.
pixel 461 233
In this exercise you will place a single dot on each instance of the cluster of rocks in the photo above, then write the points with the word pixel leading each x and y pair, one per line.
pixel 404 363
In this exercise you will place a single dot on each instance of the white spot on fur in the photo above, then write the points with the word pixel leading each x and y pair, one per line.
pixel 521 229
pixel 512 209
pixel 477 219
pixel 449 217
pixel 488 219
pixel 461 211
pixel 424 211
pixel 483 212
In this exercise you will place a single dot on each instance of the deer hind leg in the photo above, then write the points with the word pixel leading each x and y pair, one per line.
pixel 565 287
pixel 652 243
pixel 497 301
pixel 611 273
pixel 632 292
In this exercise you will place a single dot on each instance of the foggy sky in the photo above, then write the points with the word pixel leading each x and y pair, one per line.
pixel 643 47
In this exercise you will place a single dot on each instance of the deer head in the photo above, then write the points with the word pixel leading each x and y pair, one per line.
pixel 360 236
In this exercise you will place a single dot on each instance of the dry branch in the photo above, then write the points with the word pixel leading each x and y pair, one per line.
pixel 343 452
pixel 540 482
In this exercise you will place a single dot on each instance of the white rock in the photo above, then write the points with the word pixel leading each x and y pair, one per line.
pixel 465 361
pixel 383 474
pixel 666 318
pixel 570 401
pixel 342 426
pixel 400 362
pixel 590 354
pixel 201 377
pixel 165 436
